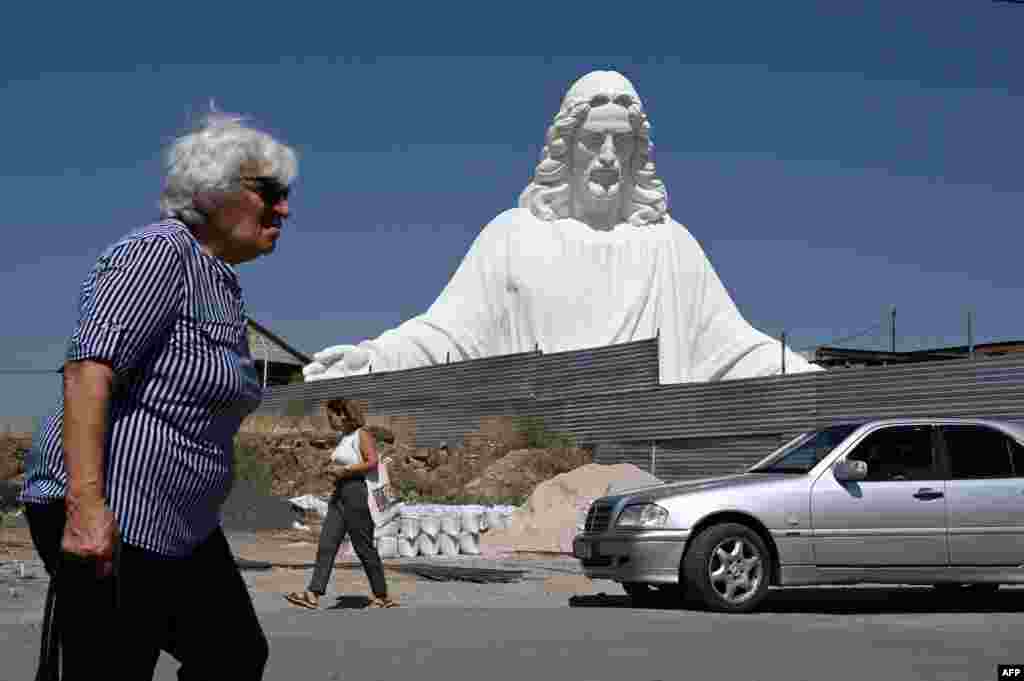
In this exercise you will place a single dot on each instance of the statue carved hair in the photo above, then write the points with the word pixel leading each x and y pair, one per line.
pixel 548 196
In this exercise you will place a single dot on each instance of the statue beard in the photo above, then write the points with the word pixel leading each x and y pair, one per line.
pixel 603 190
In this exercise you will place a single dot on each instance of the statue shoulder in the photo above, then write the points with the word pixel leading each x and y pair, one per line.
pixel 510 223
pixel 680 234
pixel 514 219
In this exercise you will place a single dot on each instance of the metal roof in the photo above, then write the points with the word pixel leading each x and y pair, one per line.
pixel 266 345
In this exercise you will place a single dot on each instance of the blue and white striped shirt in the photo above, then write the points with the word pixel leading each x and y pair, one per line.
pixel 170 320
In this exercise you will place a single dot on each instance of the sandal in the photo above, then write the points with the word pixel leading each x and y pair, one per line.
pixel 303 599
pixel 382 603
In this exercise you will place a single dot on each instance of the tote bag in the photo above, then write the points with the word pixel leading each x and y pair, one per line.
pixel 384 505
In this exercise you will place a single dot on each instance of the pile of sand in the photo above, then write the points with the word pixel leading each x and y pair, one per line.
pixel 555 511
pixel 519 472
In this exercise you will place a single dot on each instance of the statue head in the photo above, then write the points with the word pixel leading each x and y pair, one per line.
pixel 597 164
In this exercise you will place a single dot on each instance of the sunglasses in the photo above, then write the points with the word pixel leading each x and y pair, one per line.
pixel 270 189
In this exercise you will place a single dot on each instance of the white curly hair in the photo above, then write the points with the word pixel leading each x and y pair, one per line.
pixel 208 160
pixel 548 196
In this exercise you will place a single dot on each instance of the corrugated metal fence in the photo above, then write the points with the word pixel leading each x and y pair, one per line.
pixel 609 398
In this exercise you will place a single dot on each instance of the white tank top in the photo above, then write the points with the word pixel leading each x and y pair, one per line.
pixel 348 451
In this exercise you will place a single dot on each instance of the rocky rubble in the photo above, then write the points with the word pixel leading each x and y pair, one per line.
pixel 484 469
pixel 13 448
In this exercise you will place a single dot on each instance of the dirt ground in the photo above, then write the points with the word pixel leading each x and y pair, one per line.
pixel 16 544
pixel 348 579
pixel 293 552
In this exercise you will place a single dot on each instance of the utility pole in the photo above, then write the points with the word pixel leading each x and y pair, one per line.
pixel 783 352
pixel 892 329
pixel 970 333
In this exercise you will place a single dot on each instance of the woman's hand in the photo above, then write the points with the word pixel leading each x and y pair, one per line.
pixel 339 471
pixel 90 533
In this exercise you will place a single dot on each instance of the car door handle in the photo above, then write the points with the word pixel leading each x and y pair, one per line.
pixel 926 493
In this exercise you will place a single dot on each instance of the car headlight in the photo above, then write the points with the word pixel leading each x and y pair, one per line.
pixel 642 516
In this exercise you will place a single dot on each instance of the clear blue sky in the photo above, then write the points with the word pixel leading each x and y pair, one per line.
pixel 832 158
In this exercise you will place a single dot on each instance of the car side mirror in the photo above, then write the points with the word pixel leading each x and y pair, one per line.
pixel 850 470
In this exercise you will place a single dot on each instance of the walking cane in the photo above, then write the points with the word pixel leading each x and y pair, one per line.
pixel 49 647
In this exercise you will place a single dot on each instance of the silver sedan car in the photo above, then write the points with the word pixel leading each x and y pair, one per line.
pixel 895 501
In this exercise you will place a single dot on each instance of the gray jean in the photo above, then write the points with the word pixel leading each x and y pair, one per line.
pixel 348 513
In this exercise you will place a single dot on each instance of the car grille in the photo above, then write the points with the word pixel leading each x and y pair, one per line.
pixel 598 516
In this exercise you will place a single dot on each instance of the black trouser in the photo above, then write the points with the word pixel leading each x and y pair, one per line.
pixel 348 513
pixel 196 608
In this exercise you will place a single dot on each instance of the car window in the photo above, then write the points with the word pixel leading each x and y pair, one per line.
pixel 1017 456
pixel 898 453
pixel 803 453
pixel 977 452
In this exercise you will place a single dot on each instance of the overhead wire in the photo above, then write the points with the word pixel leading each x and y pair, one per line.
pixel 29 371
pixel 836 341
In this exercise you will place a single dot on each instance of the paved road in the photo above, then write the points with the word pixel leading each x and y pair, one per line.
pixel 524 631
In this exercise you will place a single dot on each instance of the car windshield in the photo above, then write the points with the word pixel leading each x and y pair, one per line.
pixel 803 453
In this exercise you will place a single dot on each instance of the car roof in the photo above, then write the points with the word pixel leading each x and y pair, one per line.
pixel 1014 426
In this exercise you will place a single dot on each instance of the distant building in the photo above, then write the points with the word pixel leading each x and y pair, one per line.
pixel 277 361
pixel 832 357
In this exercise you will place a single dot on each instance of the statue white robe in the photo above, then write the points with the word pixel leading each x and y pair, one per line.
pixel 526 283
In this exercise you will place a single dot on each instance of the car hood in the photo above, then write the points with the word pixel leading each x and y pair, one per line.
pixel 705 485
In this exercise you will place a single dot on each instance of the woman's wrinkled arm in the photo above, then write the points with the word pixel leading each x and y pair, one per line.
pixel 90 530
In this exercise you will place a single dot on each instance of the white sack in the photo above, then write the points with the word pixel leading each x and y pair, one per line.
pixel 495 519
pixel 425 545
pixel 387 530
pixel 387 547
pixel 430 525
pixel 407 547
pixel 450 523
pixel 469 544
pixel 447 545
pixel 409 525
pixel 470 520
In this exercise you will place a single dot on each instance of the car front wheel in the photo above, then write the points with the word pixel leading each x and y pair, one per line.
pixel 728 568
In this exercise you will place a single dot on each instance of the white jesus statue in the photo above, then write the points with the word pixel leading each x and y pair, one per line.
pixel 590 258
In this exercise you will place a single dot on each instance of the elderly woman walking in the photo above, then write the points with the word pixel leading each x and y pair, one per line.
pixel 130 471
pixel 348 512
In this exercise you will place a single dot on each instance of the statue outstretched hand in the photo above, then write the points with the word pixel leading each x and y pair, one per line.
pixel 338 361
